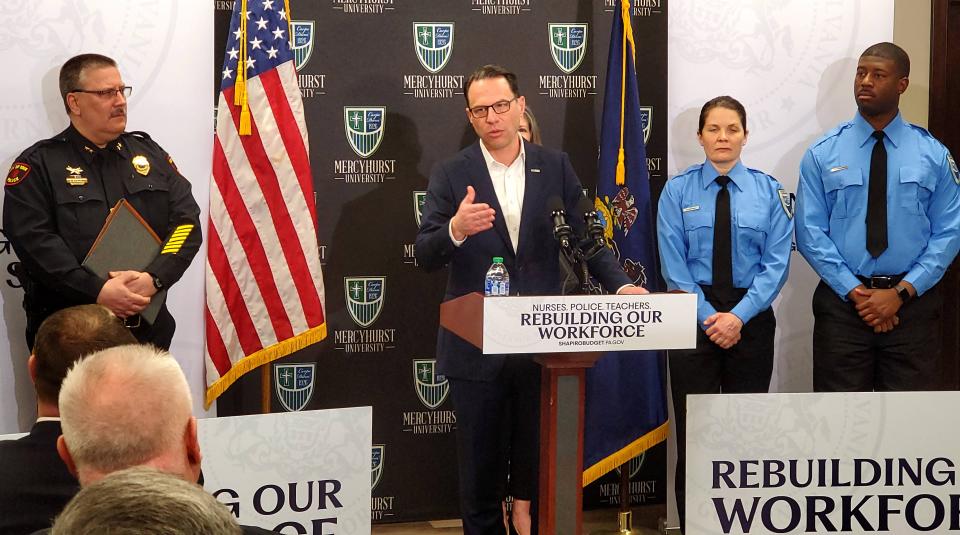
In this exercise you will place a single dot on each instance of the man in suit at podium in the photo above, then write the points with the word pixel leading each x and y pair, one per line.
pixel 59 192
pixel 34 482
pixel 488 200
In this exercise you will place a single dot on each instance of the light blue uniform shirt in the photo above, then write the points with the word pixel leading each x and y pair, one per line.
pixel 923 206
pixel 761 231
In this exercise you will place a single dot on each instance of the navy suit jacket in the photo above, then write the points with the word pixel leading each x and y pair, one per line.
pixel 34 483
pixel 534 268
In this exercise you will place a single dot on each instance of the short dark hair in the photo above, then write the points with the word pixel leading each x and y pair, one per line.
pixel 69 335
pixel 892 52
pixel 491 71
pixel 723 101
pixel 74 67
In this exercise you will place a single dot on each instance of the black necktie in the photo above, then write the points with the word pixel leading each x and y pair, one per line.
pixel 877 199
pixel 722 258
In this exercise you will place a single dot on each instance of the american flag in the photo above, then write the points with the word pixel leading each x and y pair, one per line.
pixel 264 287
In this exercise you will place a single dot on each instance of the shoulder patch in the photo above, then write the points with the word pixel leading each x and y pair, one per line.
pixel 172 164
pixel 953 168
pixel 787 202
pixel 18 172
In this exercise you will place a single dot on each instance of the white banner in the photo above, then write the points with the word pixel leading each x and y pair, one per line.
pixel 164 51
pixel 823 463
pixel 576 323
pixel 292 472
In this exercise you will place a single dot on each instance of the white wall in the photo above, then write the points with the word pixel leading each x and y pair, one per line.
pixel 165 51
pixel 791 64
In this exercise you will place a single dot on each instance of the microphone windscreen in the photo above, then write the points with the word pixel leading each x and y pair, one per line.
pixel 555 204
pixel 584 205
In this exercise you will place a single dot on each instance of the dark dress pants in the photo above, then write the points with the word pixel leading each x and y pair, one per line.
pixel 744 368
pixel 849 357
pixel 498 429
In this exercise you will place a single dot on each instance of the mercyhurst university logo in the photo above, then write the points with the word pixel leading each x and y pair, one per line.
pixel 303 31
pixel 434 44
pixel 432 388
pixel 419 198
pixel 568 45
pixel 364 127
pixel 376 465
pixel 364 297
pixel 646 119
pixel 294 385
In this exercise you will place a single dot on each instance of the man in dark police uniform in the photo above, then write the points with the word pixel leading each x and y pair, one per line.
pixel 59 192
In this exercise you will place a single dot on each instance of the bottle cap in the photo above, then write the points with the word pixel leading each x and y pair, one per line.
pixel 498 260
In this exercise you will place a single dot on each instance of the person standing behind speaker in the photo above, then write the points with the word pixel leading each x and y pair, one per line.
pixel 529 129
pixel 878 218
pixel 724 233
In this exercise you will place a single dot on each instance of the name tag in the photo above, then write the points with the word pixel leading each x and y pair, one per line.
pixel 691 208
pixel 837 168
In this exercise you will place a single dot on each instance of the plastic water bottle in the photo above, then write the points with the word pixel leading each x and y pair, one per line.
pixel 497 281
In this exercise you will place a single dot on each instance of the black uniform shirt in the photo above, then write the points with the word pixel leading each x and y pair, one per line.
pixel 57 196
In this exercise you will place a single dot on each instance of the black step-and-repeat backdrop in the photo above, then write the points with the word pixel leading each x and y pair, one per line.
pixel 382 83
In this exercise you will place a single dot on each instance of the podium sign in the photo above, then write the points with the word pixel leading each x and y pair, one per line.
pixel 593 323
pixel 858 462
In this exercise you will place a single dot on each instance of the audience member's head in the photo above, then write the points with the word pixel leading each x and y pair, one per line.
pixel 529 128
pixel 128 406
pixel 144 501
pixel 64 338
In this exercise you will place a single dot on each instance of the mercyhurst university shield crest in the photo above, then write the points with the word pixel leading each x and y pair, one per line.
pixel 294 384
pixel 432 388
pixel 364 127
pixel 302 41
pixel 568 45
pixel 434 44
pixel 419 197
pixel 364 297
pixel 634 464
pixel 376 465
pixel 646 119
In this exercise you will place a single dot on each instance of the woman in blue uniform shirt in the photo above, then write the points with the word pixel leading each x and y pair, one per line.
pixel 724 232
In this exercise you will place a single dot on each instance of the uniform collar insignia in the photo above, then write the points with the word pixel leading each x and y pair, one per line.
pixel 76 178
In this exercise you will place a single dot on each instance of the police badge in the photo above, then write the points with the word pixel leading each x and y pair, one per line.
pixel 141 164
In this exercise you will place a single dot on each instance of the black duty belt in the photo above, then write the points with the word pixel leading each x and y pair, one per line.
pixel 881 282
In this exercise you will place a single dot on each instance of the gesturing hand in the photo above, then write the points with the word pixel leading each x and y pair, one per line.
pixel 471 217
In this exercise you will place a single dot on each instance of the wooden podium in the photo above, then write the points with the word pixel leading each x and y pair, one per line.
pixel 561 419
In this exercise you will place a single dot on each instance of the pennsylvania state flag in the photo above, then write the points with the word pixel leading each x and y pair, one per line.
pixel 626 411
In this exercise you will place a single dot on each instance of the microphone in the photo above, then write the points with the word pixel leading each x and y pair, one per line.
pixel 561 230
pixel 595 240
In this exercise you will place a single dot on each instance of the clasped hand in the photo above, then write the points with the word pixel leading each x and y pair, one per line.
pixel 877 308
pixel 724 329
pixel 127 292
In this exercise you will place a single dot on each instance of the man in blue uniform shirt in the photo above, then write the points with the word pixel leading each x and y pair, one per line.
pixel 878 218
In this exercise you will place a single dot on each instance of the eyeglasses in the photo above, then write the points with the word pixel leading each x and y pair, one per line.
pixel 501 106
pixel 107 93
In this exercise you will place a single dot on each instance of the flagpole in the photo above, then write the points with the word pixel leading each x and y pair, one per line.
pixel 265 390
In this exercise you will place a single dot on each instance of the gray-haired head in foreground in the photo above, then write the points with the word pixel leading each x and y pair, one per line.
pixel 144 501
pixel 124 406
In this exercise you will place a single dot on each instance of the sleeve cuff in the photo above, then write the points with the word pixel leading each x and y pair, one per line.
pixel 456 242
